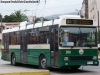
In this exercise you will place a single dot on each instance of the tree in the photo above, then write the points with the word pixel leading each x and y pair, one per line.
pixel 45 19
pixel 6 18
pixel 15 17
pixel 19 17
pixel 39 19
pixel 0 17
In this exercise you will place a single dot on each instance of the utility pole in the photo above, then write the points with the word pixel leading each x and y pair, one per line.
pixel 1 23
pixel 98 20
pixel 1 19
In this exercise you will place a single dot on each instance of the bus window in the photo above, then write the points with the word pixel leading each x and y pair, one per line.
pixel 18 38
pixel 32 36
pixel 44 35
pixel 78 36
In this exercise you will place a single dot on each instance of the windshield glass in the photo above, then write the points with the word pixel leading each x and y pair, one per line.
pixel 78 36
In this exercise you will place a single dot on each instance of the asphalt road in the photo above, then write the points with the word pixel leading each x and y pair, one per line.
pixel 89 70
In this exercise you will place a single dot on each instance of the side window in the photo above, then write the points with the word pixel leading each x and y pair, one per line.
pixel 37 36
pixel 18 38
pixel 32 36
pixel 56 36
pixel 44 35
pixel 3 39
pixel 13 38
pixel 11 35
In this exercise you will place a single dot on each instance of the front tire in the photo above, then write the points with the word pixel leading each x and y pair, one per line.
pixel 42 62
pixel 13 60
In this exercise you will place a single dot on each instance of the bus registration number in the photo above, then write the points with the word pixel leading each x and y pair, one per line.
pixel 68 52
pixel 90 62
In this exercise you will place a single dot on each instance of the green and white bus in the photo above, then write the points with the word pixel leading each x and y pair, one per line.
pixel 67 42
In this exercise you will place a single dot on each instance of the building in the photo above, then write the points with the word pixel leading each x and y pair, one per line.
pixel 2 26
pixel 94 7
pixel 7 25
pixel 30 18
pixel 84 9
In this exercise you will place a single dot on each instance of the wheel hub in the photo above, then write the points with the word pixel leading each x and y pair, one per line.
pixel 43 63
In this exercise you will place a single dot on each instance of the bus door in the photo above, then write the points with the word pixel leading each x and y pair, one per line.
pixel 6 46
pixel 23 46
pixel 54 45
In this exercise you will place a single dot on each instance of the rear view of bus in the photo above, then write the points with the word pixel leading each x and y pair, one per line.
pixel 77 43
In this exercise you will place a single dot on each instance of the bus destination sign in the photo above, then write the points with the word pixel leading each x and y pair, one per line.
pixel 79 21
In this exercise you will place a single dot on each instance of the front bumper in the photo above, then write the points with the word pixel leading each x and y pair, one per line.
pixel 75 63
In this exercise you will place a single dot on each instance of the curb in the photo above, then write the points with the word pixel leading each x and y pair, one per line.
pixel 28 73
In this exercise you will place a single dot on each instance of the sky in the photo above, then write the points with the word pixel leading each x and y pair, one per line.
pixel 50 8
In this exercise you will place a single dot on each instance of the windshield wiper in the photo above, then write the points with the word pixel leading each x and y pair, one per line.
pixel 89 45
pixel 80 38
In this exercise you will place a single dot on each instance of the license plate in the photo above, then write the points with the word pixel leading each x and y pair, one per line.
pixel 90 62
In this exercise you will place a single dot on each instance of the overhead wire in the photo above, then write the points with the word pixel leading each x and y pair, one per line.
pixel 28 5
pixel 36 9
pixel 56 7
pixel 45 8
pixel 36 5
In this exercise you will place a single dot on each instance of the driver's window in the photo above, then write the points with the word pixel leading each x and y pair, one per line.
pixel 65 36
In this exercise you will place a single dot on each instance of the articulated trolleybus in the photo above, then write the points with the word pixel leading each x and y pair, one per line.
pixel 67 42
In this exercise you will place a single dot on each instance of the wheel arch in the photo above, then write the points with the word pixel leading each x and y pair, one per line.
pixel 42 54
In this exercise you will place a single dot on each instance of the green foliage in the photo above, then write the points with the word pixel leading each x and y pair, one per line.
pixel 39 19
pixel 18 16
pixel 0 16
pixel 15 17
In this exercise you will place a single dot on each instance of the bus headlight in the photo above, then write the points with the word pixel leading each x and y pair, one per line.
pixel 94 57
pixel 65 58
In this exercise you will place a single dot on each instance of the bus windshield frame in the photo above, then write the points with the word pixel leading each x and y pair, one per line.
pixel 78 36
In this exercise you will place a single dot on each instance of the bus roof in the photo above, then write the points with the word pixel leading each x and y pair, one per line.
pixel 70 16
pixel 23 25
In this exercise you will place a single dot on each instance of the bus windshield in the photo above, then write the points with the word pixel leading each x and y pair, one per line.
pixel 78 36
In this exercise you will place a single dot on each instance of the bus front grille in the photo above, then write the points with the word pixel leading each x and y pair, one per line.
pixel 81 58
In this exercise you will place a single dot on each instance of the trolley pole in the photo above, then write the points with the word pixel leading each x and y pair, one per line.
pixel 34 18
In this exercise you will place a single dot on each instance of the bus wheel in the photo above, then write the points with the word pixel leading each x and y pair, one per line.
pixel 75 67
pixel 42 62
pixel 13 60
